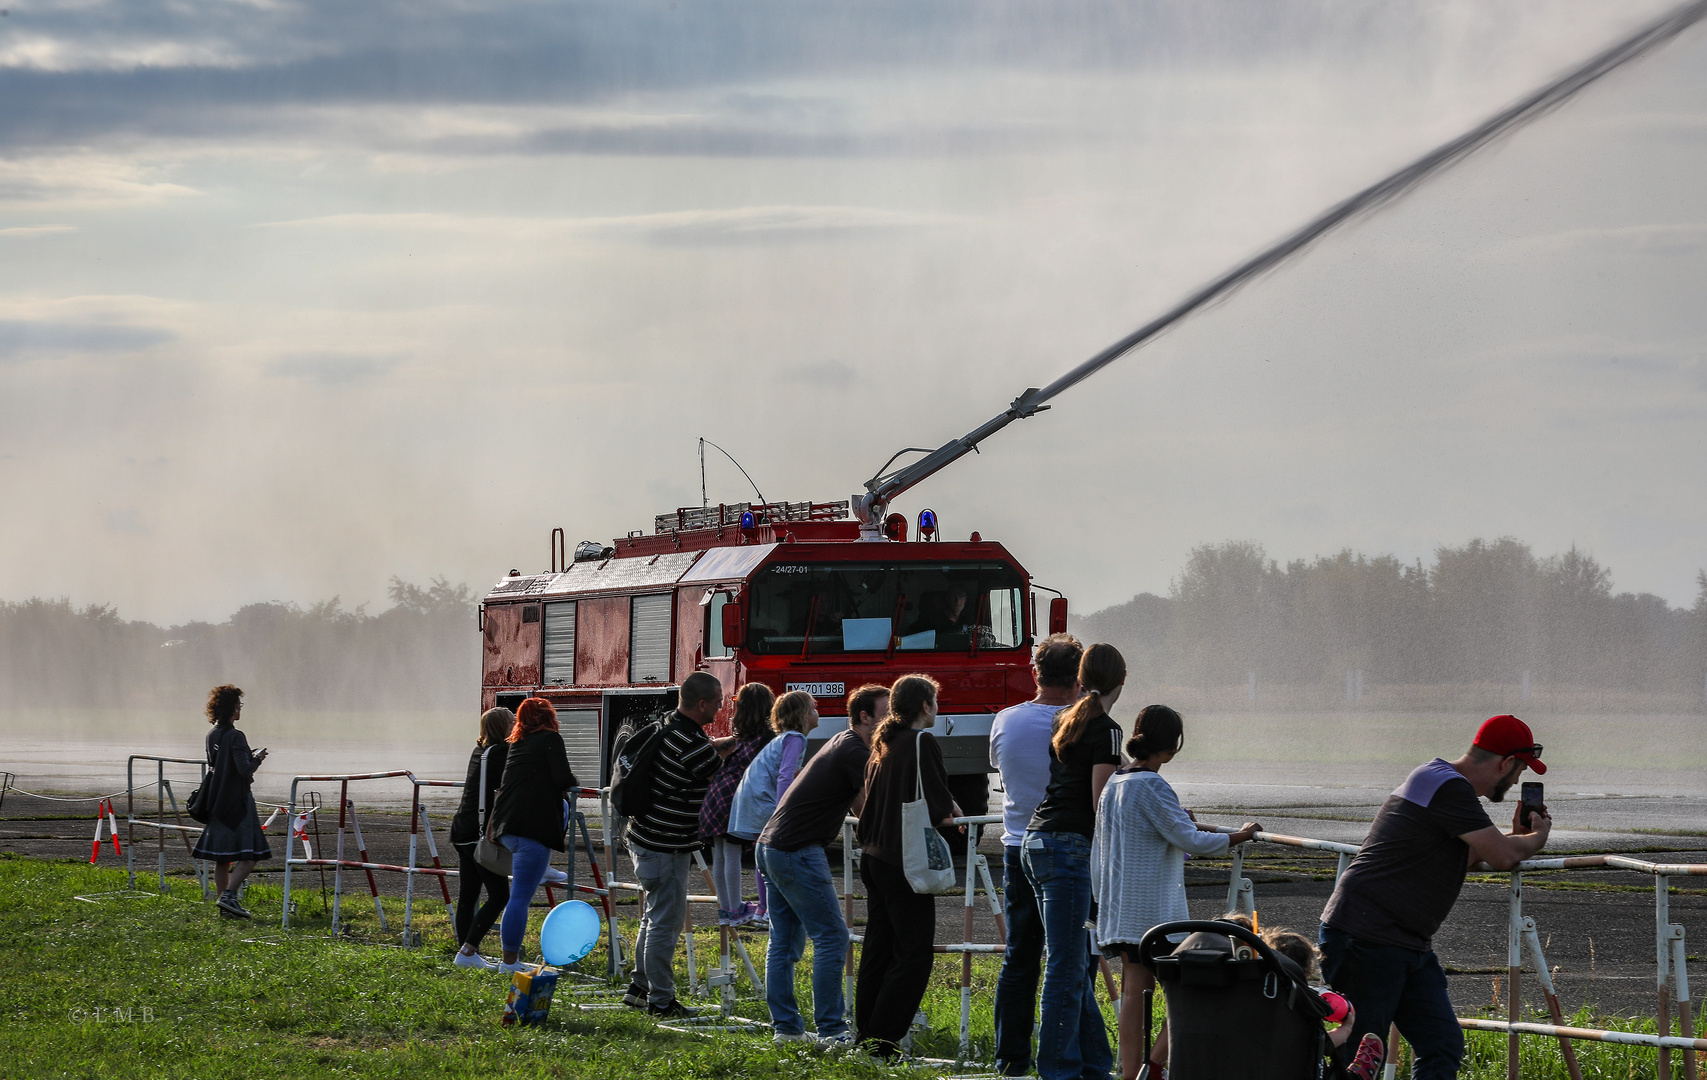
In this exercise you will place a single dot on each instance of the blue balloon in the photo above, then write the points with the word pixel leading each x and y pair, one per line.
pixel 569 932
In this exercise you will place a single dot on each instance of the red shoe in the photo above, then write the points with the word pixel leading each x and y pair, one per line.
pixel 1370 1053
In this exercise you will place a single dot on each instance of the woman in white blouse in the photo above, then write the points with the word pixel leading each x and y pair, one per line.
pixel 1138 866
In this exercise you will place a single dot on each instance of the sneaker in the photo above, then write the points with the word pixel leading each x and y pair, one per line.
pixel 724 918
pixel 519 965
pixel 636 996
pixel 843 1041
pixel 1367 1063
pixel 671 1010
pixel 554 876
pixel 745 914
pixel 782 1038
pixel 473 960
pixel 231 907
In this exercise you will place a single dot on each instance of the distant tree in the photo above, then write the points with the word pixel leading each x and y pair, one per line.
pixel 1139 628
pixel 1574 604
pixel 1485 610
pixel 422 652
pixel 1227 605
pixel 440 597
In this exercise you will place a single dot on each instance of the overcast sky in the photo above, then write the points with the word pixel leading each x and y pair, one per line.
pixel 297 296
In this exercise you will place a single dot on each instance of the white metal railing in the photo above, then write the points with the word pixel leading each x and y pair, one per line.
pixel 1669 953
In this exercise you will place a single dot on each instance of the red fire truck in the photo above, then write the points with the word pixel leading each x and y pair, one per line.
pixel 799 596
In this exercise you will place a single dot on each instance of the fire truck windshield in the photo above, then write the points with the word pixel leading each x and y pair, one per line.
pixel 859 607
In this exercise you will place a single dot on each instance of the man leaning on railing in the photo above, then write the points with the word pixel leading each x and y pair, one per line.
pixel 1378 927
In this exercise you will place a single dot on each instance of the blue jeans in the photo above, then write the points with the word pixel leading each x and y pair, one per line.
pixel 803 902
pixel 1390 985
pixel 527 870
pixel 1072 1042
pixel 1022 967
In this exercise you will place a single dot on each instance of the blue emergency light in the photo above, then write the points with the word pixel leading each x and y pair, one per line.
pixel 748 521
pixel 927 524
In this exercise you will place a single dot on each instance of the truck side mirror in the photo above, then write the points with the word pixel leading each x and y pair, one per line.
pixel 1058 615
pixel 734 633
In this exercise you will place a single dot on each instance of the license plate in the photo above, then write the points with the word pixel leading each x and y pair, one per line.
pixel 819 689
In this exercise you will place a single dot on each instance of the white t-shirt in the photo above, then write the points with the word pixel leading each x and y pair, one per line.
pixel 1019 750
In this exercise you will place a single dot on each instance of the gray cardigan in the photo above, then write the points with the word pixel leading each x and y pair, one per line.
pixel 1138 856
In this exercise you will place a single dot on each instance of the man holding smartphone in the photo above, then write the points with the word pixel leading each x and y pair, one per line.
pixel 1378 927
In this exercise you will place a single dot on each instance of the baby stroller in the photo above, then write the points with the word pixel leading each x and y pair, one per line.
pixel 1234 1013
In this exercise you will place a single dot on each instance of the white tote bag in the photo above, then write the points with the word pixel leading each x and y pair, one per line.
pixel 924 853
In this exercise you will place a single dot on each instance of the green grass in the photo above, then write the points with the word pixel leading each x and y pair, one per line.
pixel 146 986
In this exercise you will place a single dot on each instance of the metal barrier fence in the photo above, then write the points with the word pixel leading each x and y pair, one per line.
pixel 349 825
pixel 164 796
pixel 420 824
pixel 1669 955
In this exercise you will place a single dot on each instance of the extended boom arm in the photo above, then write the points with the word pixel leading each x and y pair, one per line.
pixel 882 488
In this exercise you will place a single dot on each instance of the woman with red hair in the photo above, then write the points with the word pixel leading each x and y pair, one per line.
pixel 530 814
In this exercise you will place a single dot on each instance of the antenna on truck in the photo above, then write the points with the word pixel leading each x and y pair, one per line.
pixel 707 442
pixel 883 487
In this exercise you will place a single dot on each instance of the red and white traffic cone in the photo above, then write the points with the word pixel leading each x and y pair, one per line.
pixel 299 825
pixel 104 815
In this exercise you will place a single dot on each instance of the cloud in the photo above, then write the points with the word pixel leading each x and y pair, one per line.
pixel 84 177
pixel 37 230
pixel 330 368
pixel 737 225
pixel 27 337
pixel 208 69
pixel 762 223
pixel 1669 239
pixel 830 374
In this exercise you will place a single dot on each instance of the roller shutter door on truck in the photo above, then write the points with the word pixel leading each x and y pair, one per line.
pixel 649 639
pixel 560 645
pixel 580 729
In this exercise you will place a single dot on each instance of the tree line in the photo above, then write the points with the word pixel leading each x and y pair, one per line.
pixel 424 651
pixel 1483 614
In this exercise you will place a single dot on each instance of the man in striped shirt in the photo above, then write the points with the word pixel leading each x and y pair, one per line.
pixel 663 840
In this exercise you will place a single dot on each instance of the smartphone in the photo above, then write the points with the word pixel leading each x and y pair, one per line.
pixel 1532 800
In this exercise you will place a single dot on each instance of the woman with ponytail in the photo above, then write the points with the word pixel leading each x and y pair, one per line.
pixel 1138 867
pixel 1084 751
pixel 900 925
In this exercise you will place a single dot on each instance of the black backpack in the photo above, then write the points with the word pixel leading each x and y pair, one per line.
pixel 631 790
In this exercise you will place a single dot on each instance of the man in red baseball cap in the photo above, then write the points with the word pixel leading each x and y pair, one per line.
pixel 1506 736
pixel 1378 928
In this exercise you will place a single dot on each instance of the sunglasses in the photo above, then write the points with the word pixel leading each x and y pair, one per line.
pixel 1535 750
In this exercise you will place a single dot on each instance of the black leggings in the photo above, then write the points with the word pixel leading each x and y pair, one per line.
pixel 895 961
pixel 471 925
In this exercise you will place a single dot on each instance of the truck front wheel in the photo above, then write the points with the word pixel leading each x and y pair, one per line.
pixel 972 792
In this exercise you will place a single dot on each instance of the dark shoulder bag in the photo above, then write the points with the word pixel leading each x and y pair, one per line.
pixel 204 798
